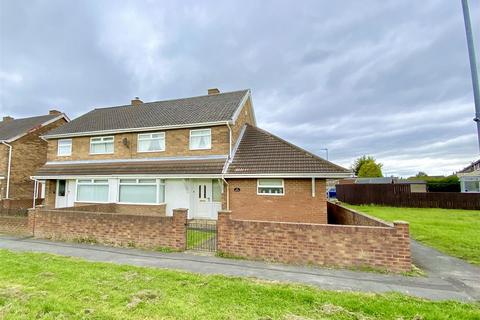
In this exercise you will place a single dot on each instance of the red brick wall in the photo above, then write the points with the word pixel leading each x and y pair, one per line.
pixel 338 214
pixel 319 244
pixel 17 225
pixel 112 228
pixel 297 205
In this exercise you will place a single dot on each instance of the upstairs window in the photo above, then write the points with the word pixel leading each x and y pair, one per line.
pixel 64 147
pixel 270 187
pixel 92 190
pixel 151 142
pixel 200 139
pixel 101 145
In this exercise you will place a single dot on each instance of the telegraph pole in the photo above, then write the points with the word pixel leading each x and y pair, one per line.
pixel 473 64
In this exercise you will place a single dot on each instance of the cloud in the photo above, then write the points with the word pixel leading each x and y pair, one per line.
pixel 389 78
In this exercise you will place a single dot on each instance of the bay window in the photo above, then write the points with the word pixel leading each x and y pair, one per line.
pixel 200 139
pixel 101 145
pixel 151 142
pixel 92 190
pixel 143 191
pixel 64 147
pixel 270 187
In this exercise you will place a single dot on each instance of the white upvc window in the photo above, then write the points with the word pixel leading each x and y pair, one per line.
pixel 200 139
pixel 92 190
pixel 270 187
pixel 141 191
pixel 151 142
pixel 101 145
pixel 64 147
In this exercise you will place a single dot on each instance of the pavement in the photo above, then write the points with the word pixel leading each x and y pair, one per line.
pixel 447 278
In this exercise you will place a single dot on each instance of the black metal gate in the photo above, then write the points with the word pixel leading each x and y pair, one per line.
pixel 202 235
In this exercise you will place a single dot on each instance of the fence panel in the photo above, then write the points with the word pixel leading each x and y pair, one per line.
pixel 399 195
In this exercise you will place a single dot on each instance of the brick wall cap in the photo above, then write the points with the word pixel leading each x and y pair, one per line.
pixel 400 222
pixel 180 209
pixel 225 212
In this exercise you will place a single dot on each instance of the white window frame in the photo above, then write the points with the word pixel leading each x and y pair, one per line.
pixel 91 183
pixel 270 186
pixel 58 148
pixel 140 138
pixel 158 183
pixel 102 142
pixel 197 130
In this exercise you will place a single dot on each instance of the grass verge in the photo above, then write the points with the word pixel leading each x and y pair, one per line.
pixel 43 286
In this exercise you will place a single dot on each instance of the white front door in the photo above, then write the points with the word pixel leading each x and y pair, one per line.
pixel 203 199
pixel 65 193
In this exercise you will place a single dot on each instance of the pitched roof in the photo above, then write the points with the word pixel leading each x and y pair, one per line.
pixel 472 167
pixel 206 166
pixel 260 152
pixel 187 111
pixel 12 128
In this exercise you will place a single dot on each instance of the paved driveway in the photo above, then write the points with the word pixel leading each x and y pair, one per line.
pixel 448 278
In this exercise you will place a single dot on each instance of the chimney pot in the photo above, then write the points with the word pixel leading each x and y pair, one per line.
pixel 213 91
pixel 53 111
pixel 7 118
pixel 136 101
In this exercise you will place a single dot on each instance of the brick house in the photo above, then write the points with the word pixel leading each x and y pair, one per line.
pixel 202 153
pixel 22 152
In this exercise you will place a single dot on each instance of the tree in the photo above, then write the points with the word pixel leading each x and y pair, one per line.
pixel 421 174
pixel 370 169
pixel 360 161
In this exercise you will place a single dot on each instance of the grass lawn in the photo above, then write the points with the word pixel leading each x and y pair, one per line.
pixel 43 286
pixel 455 232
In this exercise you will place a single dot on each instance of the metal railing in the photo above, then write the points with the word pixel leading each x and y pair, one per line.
pixel 201 235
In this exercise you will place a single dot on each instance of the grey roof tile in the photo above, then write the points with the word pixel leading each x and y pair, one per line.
pixel 13 128
pixel 261 152
pixel 210 166
pixel 202 109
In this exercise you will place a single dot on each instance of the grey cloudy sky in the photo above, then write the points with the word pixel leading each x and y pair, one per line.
pixel 385 78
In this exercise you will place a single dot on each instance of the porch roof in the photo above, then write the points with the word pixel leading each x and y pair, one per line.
pixel 205 166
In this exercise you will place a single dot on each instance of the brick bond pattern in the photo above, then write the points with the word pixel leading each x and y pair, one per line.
pixel 297 205
pixel 111 228
pixel 18 225
pixel 318 244
pixel 373 244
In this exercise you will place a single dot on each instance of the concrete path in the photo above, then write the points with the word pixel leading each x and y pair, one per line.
pixel 454 279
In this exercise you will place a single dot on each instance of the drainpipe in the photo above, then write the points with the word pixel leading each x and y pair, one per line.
pixel 35 189
pixel 7 195
pixel 228 193
pixel 229 141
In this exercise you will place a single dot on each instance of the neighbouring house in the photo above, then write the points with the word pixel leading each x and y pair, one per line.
pixel 202 153
pixel 415 185
pixel 23 151
pixel 470 177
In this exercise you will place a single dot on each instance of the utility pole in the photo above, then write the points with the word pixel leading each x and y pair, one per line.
pixel 473 65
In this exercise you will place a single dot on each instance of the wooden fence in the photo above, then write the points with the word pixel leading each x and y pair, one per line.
pixel 399 195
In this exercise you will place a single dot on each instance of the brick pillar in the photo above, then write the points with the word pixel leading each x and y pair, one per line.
pixel 179 223
pixel 223 224
pixel 403 245
pixel 31 220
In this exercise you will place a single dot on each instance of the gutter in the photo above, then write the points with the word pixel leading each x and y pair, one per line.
pixel 7 194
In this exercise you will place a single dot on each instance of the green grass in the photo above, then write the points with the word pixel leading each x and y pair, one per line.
pixel 455 232
pixel 196 237
pixel 43 286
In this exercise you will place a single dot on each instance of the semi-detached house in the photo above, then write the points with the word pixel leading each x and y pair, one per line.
pixel 202 153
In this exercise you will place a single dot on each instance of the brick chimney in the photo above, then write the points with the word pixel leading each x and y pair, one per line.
pixel 213 91
pixel 136 101
pixel 7 118
pixel 54 112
